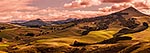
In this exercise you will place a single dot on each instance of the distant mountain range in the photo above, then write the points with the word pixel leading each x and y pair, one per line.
pixel 18 21
pixel 63 21
pixel 31 23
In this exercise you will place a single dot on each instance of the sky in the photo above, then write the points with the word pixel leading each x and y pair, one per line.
pixel 48 10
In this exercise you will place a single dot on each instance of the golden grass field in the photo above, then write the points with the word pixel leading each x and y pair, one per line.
pixel 61 39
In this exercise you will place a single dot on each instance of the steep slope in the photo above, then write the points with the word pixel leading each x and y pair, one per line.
pixel 133 12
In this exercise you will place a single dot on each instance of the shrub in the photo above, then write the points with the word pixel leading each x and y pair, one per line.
pixel 2 28
pixel 85 32
pixel 1 39
pixel 30 34
pixel 17 38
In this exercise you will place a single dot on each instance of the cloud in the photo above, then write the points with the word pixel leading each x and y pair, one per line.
pixel 115 7
pixel 12 10
pixel 87 3
pixel 116 1
pixel 10 5
pixel 47 15
pixel 118 6
pixel 82 3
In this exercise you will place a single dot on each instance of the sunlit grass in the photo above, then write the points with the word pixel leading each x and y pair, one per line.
pixel 1 44
pixel 144 35
pixel 3 52
pixel 94 36
pixel 67 37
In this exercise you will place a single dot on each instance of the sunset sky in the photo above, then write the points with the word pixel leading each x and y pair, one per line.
pixel 62 9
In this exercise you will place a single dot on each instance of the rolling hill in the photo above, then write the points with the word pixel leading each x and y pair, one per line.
pixel 59 38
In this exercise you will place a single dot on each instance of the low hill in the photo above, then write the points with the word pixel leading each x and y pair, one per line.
pixel 34 23
pixel 7 26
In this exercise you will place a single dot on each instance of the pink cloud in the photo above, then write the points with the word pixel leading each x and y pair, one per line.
pixel 118 6
pixel 47 15
pixel 87 3
pixel 115 7
pixel 10 5
pixel 116 1
pixel 82 3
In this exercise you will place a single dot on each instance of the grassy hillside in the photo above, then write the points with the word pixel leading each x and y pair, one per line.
pixel 59 38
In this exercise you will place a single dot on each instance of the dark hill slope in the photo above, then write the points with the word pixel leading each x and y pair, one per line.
pixel 133 12
pixel 34 23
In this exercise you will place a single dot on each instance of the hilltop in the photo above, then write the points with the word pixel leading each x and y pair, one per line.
pixel 132 12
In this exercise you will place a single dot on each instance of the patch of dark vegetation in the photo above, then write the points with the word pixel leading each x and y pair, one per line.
pixel 17 38
pixel 76 43
pixel 131 23
pixel 108 41
pixel 99 48
pixel 131 48
pixel 1 39
pixel 114 40
pixel 117 37
pixel 29 34
pixel 2 28
pixel 34 26
pixel 85 32
pixel 123 31
pixel 109 49
pixel 104 22
pixel 43 49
